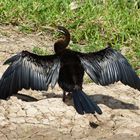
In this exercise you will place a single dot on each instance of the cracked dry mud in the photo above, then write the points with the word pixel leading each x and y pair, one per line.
pixel 49 118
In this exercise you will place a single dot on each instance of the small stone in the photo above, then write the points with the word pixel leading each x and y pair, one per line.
pixel 31 120
pixel 45 121
pixel 31 111
pixel 17 120
pixel 21 113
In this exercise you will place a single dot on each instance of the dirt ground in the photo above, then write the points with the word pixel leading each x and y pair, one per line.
pixel 46 117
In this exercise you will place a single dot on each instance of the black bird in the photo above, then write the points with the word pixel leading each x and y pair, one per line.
pixel 67 67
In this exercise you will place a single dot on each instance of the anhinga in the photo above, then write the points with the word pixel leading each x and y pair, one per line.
pixel 67 67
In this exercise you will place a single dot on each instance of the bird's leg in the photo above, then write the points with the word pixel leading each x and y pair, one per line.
pixel 97 118
pixel 69 95
pixel 64 96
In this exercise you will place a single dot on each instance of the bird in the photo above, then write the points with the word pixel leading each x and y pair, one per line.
pixel 67 67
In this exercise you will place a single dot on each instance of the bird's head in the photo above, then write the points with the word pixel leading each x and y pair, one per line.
pixel 63 30
pixel 62 43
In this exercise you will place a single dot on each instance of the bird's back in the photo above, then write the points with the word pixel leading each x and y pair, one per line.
pixel 71 71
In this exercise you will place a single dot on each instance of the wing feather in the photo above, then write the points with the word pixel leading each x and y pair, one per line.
pixel 28 70
pixel 109 66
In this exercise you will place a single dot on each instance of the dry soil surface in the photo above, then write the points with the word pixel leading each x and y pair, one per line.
pixel 46 117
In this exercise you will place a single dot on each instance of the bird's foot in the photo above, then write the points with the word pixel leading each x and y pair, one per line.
pixel 68 96
pixel 64 96
pixel 97 118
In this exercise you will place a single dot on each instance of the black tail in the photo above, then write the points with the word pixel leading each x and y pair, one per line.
pixel 83 104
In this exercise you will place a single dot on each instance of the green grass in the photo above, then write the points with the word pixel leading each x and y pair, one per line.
pixel 92 25
pixel 40 51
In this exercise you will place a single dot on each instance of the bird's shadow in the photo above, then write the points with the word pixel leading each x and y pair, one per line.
pixel 24 97
pixel 109 101
pixel 29 98
pixel 112 103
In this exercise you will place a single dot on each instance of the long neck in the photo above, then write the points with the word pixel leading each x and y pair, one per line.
pixel 66 39
pixel 61 44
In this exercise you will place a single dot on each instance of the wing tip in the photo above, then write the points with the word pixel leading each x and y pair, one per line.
pixel 12 59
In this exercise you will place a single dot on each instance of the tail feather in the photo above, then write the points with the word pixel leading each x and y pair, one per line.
pixel 83 104
pixel 77 104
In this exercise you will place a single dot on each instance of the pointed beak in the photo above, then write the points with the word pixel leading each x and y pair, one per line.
pixel 61 29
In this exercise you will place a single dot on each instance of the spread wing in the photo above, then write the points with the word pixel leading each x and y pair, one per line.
pixel 108 66
pixel 28 70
